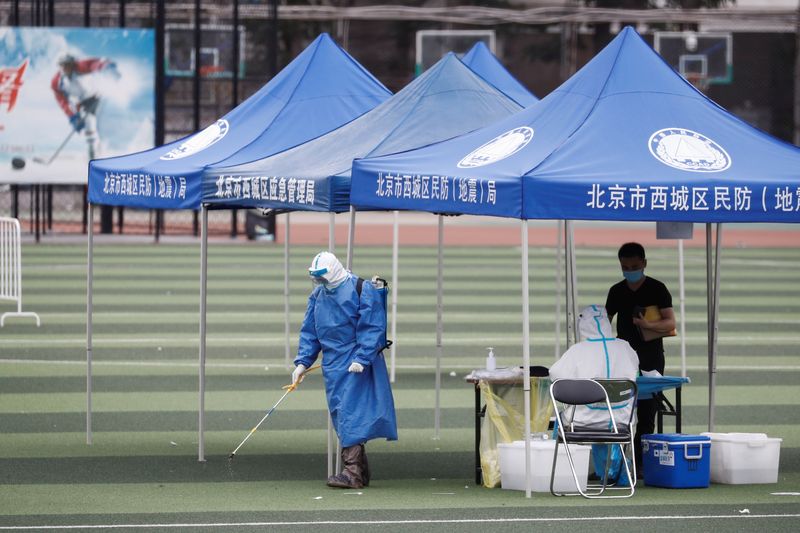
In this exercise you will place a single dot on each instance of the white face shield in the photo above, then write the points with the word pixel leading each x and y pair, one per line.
pixel 318 276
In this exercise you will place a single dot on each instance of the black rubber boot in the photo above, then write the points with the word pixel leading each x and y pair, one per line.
pixel 364 466
pixel 351 477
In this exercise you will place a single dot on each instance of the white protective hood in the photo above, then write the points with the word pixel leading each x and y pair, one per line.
pixel 334 272
pixel 598 355
pixel 593 323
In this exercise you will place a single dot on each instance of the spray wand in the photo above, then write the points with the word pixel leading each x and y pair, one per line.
pixel 288 388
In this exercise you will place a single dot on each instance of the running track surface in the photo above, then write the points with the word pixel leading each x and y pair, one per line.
pixel 422 230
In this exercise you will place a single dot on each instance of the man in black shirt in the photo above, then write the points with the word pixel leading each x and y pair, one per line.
pixel 627 300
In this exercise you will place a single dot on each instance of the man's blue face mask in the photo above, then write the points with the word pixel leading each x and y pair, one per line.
pixel 633 275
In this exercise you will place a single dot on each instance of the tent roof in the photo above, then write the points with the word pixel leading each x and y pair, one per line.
pixel 447 100
pixel 483 62
pixel 321 89
pixel 625 138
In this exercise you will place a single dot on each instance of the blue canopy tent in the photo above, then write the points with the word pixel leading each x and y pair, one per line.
pixel 483 62
pixel 447 100
pixel 321 89
pixel 626 138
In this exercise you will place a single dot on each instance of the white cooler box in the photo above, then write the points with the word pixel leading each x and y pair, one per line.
pixel 512 466
pixel 741 458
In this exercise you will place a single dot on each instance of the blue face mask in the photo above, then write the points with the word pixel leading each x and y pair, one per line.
pixel 633 275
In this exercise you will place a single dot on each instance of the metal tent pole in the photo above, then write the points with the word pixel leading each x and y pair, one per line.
pixel 286 310
pixel 202 362
pixel 559 285
pixel 437 411
pixel 526 357
pixel 395 261
pixel 712 376
pixel 573 283
pixel 567 293
pixel 89 310
pixel 333 449
pixel 349 266
pixel 682 289
pixel 709 317
pixel 332 232
pixel 571 300
pixel 351 232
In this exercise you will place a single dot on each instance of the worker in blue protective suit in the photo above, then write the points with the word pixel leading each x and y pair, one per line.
pixel 598 355
pixel 350 330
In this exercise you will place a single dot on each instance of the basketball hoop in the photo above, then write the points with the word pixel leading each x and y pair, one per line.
pixel 699 81
pixel 702 58
pixel 213 59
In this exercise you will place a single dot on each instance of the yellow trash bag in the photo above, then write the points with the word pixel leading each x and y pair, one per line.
pixel 504 421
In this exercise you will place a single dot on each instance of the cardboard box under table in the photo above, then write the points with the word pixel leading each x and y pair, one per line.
pixel 675 460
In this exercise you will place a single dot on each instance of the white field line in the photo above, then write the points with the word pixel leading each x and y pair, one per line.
pixel 112 317
pixel 82 362
pixel 697 339
pixel 277 363
pixel 145 340
pixel 404 522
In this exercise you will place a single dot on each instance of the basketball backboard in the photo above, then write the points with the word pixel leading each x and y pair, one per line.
pixel 216 51
pixel 700 57
pixel 432 45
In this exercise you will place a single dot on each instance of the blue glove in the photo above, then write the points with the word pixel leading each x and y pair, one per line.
pixel 76 121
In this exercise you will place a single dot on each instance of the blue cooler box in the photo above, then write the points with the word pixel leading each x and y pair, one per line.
pixel 675 460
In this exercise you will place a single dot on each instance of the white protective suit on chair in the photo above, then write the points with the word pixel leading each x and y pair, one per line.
pixel 599 355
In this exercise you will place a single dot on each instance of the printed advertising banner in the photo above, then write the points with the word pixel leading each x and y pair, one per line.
pixel 69 95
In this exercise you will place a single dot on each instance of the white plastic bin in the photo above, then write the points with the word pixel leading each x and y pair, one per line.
pixel 512 466
pixel 742 458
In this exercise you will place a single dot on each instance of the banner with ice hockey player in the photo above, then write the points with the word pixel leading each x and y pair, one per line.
pixel 69 95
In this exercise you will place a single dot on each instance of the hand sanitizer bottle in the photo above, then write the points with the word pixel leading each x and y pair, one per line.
pixel 491 363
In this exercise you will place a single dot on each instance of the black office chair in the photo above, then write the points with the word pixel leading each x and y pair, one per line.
pixel 602 394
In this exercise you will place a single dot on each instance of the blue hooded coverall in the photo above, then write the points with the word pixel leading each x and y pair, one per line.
pixel 348 328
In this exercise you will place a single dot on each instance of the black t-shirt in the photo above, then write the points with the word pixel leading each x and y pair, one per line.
pixel 621 302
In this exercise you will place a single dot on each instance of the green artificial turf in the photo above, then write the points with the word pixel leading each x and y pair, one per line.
pixel 142 467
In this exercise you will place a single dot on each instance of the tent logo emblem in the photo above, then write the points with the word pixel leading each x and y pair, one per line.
pixel 199 141
pixel 502 146
pixel 688 150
